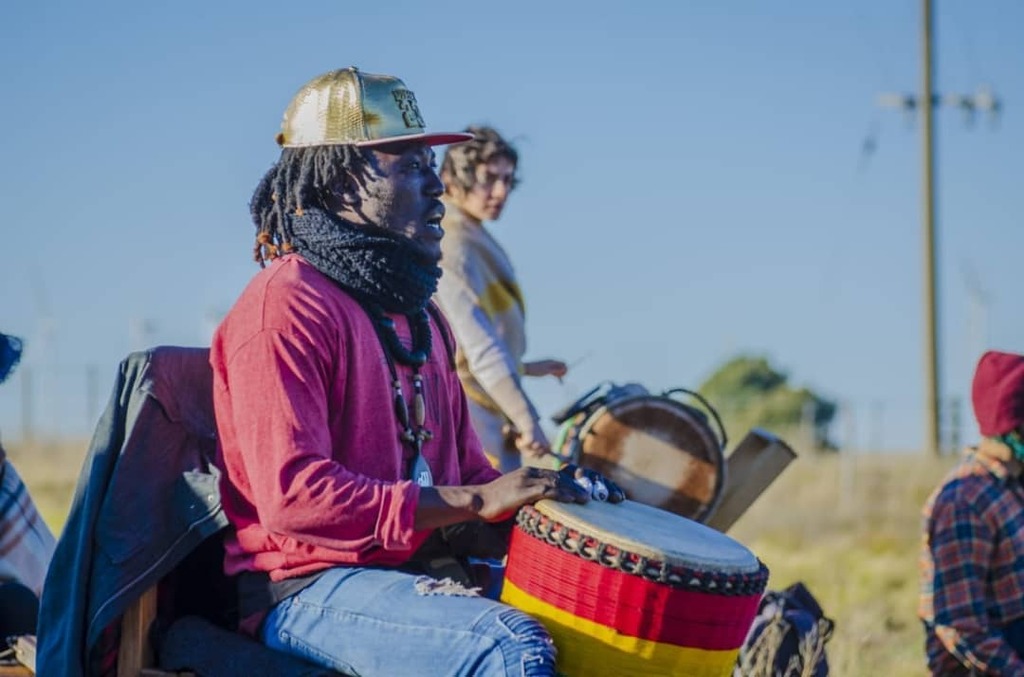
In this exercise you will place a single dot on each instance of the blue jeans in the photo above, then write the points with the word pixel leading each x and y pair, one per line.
pixel 365 621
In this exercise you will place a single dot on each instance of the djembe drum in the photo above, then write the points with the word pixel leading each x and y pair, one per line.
pixel 661 450
pixel 630 589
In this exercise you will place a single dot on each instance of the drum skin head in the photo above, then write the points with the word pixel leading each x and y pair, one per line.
pixel 654 533
pixel 660 451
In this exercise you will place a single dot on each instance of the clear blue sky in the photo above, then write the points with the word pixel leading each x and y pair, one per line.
pixel 694 181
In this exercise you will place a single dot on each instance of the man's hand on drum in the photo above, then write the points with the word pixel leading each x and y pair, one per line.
pixel 555 368
pixel 501 498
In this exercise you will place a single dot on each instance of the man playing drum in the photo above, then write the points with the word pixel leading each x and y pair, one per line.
pixel 481 298
pixel 345 439
pixel 972 561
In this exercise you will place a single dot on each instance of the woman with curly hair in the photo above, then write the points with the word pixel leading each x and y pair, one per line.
pixel 484 304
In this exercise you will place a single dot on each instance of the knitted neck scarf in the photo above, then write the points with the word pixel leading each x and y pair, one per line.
pixel 375 266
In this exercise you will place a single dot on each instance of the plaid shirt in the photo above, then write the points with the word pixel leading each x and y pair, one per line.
pixel 972 569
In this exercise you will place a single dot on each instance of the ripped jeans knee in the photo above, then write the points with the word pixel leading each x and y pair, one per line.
pixel 527 648
pixel 352 620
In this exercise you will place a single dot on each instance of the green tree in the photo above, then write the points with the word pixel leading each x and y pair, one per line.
pixel 749 392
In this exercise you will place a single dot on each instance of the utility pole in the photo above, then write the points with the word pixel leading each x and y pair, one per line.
pixel 927 101
pixel 931 322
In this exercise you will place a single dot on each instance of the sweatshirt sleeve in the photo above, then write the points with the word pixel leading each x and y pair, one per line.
pixel 459 294
pixel 279 383
pixel 488 357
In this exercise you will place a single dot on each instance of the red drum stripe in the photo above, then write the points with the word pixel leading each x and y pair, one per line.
pixel 629 604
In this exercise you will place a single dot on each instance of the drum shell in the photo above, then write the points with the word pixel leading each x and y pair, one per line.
pixel 662 452
pixel 635 604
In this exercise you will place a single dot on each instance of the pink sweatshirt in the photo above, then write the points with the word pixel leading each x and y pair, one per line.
pixel 308 439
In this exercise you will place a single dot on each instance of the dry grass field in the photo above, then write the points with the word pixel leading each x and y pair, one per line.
pixel 847 527
pixel 50 469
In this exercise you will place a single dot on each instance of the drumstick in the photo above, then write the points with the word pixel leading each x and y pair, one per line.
pixel 579 360
pixel 572 365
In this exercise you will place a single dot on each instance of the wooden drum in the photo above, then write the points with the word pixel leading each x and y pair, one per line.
pixel 660 450
pixel 630 589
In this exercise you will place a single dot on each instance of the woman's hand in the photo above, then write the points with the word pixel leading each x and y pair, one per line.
pixel 555 368
pixel 533 443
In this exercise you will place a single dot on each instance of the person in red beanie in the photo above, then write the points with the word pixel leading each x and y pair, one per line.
pixel 972 556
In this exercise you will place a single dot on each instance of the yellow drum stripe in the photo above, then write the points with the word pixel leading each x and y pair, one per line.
pixel 588 648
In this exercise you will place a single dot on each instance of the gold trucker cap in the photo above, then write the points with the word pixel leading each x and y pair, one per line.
pixel 348 106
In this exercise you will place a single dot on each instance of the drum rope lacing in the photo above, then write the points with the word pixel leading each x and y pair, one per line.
pixel 539 526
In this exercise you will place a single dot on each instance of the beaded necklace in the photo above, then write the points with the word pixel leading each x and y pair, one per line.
pixel 415 357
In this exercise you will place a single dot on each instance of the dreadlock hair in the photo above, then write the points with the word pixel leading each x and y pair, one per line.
pixel 300 179
pixel 461 160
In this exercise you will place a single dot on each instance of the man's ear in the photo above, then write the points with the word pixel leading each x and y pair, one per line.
pixel 347 192
pixel 343 196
